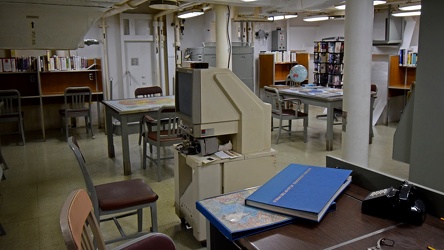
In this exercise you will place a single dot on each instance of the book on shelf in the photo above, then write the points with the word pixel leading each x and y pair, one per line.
pixel 302 191
pixel 234 220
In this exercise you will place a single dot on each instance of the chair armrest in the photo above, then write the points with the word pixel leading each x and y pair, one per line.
pixel 148 118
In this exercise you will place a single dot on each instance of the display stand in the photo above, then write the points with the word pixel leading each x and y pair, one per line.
pixel 196 181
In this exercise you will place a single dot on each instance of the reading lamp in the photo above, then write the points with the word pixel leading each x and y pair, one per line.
pixel 164 4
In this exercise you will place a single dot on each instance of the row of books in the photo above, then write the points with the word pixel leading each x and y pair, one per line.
pixel 330 47
pixel 325 68
pixel 298 191
pixel 328 58
pixel 18 64
pixel 327 80
pixel 57 63
pixel 283 56
pixel 408 57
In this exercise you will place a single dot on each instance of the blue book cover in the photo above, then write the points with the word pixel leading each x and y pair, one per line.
pixel 301 191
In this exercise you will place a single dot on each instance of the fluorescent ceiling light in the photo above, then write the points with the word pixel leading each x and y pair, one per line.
pixel 316 18
pixel 411 6
pixel 406 13
pixel 281 17
pixel 190 13
pixel 248 0
pixel 376 2
pixel 164 4
pixel 341 6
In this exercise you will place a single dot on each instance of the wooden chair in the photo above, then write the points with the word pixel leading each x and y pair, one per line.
pixel 279 111
pixel 80 229
pixel 146 92
pixel 119 199
pixel 77 103
pixel 11 110
pixel 165 134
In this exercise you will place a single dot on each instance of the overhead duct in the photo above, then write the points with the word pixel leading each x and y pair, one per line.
pixel 46 26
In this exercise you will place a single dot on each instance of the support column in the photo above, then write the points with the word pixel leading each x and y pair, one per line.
pixel 223 52
pixel 357 80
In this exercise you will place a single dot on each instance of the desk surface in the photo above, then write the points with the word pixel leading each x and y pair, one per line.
pixel 137 105
pixel 345 228
pixel 328 94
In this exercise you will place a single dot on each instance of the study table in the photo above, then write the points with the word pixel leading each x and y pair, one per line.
pixel 345 228
pixel 127 111
pixel 330 98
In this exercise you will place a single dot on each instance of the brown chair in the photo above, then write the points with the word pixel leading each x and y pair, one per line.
pixel 119 199
pixel 166 133
pixel 80 229
pixel 146 92
pixel 11 110
pixel 77 104
pixel 279 111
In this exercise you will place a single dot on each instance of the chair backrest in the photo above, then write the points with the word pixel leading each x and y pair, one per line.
pixel 72 142
pixel 79 225
pixel 76 98
pixel 148 91
pixel 11 102
pixel 168 121
pixel 272 96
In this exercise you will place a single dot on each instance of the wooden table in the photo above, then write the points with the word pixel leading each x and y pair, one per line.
pixel 126 111
pixel 345 228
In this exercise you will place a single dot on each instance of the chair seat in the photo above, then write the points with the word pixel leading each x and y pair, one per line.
pixel 151 241
pixel 291 112
pixel 10 115
pixel 74 112
pixel 123 194
pixel 153 136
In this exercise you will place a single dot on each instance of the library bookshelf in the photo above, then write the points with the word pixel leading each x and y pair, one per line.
pixel 39 87
pixel 275 72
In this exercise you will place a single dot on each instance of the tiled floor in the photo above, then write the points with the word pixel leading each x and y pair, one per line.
pixel 42 174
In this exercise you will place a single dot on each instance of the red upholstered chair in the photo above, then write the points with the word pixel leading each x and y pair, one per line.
pixel 115 200
pixel 80 228
pixel 279 110
pixel 150 91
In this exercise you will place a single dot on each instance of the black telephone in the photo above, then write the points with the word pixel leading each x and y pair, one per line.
pixel 401 204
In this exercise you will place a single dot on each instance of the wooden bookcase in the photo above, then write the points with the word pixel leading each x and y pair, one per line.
pixel 400 76
pixel 38 88
pixel 273 73
pixel 400 80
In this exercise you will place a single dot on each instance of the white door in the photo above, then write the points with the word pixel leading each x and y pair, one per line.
pixel 139 70
pixel 138 56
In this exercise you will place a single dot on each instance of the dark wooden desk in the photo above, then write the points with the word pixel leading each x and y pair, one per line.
pixel 345 228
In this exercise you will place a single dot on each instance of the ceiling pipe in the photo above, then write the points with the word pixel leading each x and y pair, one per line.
pixel 181 7
pixel 128 5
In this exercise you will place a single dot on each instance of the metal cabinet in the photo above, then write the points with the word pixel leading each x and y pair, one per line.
pixel 242 56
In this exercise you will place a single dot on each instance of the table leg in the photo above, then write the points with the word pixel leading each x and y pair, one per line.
pixel 109 133
pixel 330 117
pixel 125 146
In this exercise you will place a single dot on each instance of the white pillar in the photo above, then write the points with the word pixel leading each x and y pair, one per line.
pixel 357 79
pixel 222 45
